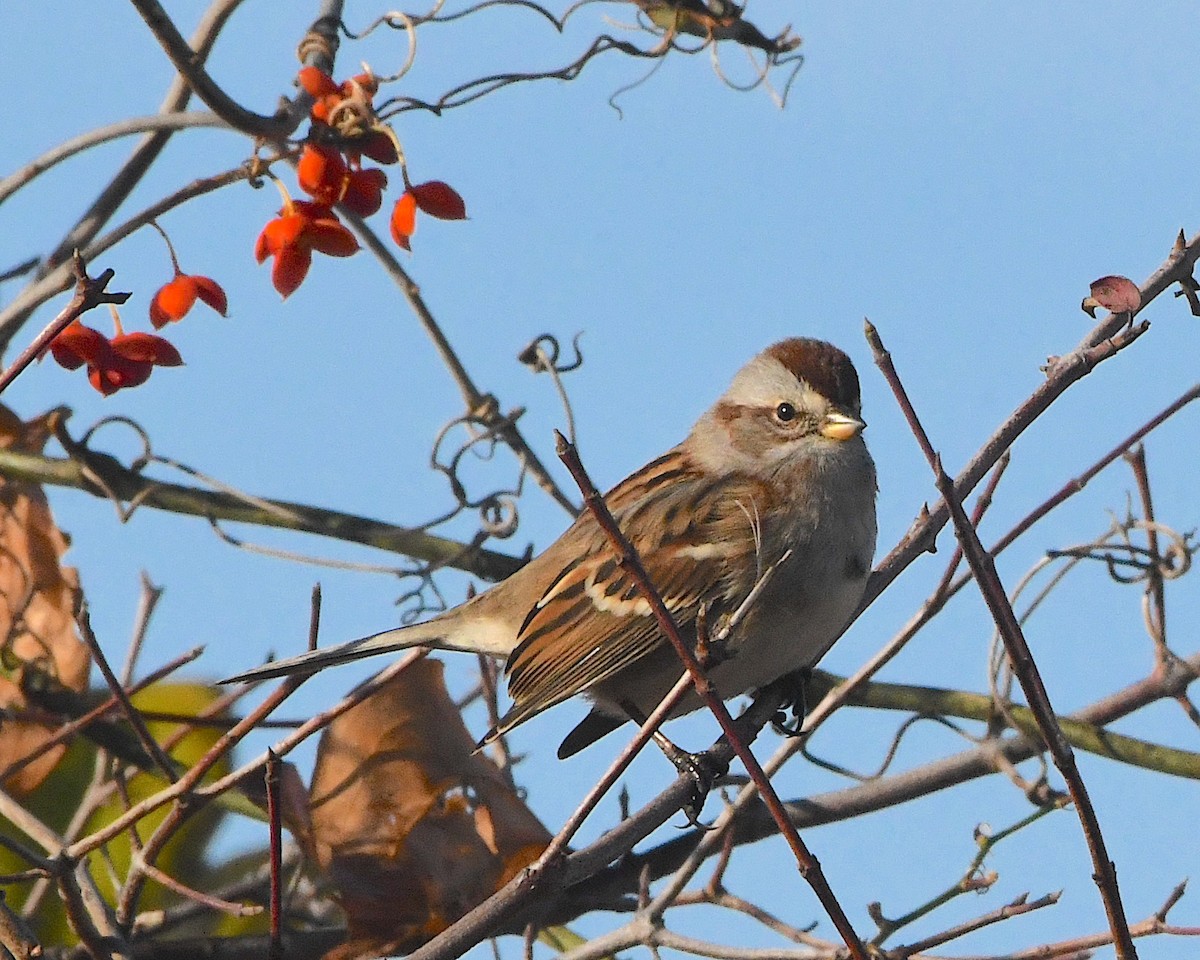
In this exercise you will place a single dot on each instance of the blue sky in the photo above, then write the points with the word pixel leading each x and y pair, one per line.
pixel 958 173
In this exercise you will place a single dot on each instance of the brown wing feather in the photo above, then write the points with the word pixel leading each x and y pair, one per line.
pixel 591 622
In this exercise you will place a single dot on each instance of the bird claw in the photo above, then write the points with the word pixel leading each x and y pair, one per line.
pixel 794 687
pixel 704 773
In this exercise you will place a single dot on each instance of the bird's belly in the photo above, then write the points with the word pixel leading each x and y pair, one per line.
pixel 799 631
pixel 773 646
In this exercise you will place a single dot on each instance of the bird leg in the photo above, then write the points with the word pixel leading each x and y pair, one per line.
pixel 700 767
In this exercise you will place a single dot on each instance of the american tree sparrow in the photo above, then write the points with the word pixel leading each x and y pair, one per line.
pixel 777 464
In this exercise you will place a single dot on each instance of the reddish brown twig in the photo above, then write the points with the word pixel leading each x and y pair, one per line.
pixel 810 867
pixel 990 586
pixel 89 292
pixel 275 950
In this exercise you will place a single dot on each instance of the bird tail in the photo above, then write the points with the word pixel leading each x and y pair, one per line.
pixel 431 634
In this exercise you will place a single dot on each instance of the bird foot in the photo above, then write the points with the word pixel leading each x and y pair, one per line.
pixel 703 771
pixel 789 720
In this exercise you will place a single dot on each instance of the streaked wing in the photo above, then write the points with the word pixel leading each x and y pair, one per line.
pixel 591 622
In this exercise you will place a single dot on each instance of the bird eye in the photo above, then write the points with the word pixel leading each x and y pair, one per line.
pixel 785 412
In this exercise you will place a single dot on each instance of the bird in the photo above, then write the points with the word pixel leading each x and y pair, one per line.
pixel 774 475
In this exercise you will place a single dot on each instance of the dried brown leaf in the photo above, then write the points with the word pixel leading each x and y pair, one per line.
pixel 39 648
pixel 411 825
pixel 1115 294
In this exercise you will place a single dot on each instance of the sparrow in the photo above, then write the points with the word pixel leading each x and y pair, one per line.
pixel 774 475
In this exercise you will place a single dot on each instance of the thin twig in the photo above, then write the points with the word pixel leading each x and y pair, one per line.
pixel 754 824
pixel 482 406
pixel 147 601
pixel 188 804
pixel 82 722
pixel 645 733
pixel 988 580
pixel 89 293
pixel 113 131
pixel 285 746
pixel 58 278
pixel 1081 946
pixel 1102 343
pixel 152 747
pixel 199 896
pixel 1074 486
pixel 131 172
pixel 973 880
pixel 1013 909
pixel 942 595
pixel 929 609
pixel 1155 586
pixel 274 818
pixel 809 866
pixel 186 785
pixel 131 486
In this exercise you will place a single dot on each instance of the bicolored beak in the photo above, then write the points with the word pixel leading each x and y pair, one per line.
pixel 841 426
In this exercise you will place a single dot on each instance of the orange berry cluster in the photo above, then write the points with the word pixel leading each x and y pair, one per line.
pixel 124 360
pixel 127 359
pixel 344 129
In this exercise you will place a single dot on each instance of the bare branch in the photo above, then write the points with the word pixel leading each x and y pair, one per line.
pixel 978 706
pixel 183 58
pixel 481 406
pixel 104 476
pixel 165 764
pixel 1060 375
pixel 80 236
pixel 84 722
pixel 114 131
pixel 1022 662
pixel 58 278
pixel 89 293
